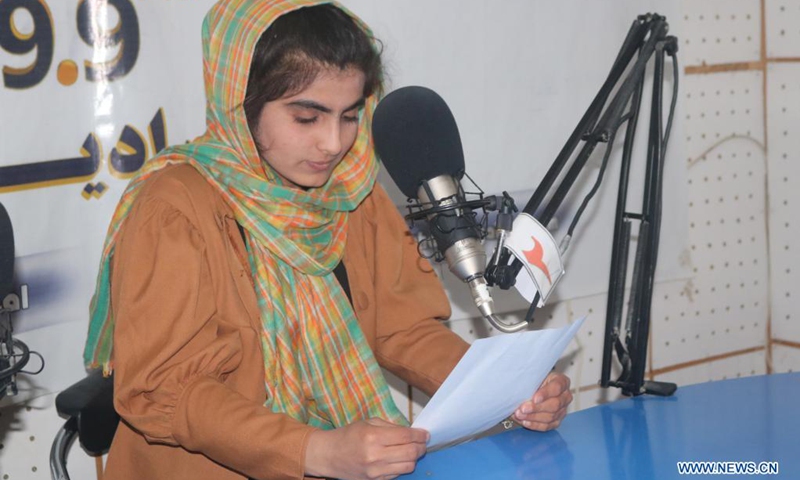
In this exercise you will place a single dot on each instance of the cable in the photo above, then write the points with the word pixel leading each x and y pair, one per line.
pixel 20 364
pixel 597 182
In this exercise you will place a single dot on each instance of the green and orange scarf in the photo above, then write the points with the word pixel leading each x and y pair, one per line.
pixel 311 339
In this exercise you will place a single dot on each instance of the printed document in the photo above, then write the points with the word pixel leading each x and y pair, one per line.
pixel 495 376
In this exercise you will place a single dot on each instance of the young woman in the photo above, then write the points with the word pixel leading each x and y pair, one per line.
pixel 255 280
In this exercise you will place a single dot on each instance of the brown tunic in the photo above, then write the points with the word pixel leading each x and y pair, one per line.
pixel 189 370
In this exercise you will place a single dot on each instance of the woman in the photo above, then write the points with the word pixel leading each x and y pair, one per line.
pixel 254 280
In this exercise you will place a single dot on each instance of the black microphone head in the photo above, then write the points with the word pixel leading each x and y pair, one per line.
pixel 6 253
pixel 416 138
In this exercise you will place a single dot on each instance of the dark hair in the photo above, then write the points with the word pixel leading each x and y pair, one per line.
pixel 293 50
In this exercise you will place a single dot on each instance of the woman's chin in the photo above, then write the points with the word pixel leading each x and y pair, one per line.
pixel 310 181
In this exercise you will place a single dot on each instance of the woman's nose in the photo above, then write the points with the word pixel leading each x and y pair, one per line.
pixel 330 141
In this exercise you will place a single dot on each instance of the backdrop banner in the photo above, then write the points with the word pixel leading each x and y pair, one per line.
pixel 90 89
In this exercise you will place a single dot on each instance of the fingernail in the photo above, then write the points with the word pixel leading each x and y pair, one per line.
pixel 537 399
pixel 527 408
pixel 526 424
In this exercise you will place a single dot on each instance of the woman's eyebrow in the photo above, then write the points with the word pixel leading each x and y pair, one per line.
pixel 322 108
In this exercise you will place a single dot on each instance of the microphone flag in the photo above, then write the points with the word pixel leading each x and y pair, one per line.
pixel 533 245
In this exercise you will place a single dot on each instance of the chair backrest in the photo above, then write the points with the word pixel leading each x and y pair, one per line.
pixel 91 402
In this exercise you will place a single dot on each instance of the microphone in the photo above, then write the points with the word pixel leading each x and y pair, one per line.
pixel 417 140
pixel 6 254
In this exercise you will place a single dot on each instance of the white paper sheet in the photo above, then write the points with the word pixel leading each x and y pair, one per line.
pixel 495 376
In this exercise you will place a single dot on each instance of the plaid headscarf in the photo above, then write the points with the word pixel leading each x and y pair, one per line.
pixel 311 339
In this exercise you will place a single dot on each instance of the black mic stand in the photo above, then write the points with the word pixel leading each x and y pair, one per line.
pixel 14 353
pixel 646 38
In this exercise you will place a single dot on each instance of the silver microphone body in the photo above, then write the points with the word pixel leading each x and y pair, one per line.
pixel 466 257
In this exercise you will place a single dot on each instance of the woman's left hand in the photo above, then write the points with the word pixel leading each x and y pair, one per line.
pixel 548 406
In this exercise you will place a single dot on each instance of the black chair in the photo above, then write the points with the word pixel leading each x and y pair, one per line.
pixel 88 406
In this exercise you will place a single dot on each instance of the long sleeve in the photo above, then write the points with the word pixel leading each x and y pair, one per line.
pixel 405 310
pixel 184 364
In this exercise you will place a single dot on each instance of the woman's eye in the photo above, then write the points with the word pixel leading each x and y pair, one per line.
pixel 350 119
pixel 305 120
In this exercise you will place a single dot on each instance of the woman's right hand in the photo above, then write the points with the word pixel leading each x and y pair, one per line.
pixel 368 449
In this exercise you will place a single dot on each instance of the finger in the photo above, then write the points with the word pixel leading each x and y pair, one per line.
pixel 546 417
pixel 541 426
pixel 408 453
pixel 397 469
pixel 553 404
pixel 554 385
pixel 379 422
pixel 542 423
pixel 387 469
pixel 557 377
pixel 548 410
pixel 393 435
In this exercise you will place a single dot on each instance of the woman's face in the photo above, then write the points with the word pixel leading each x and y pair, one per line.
pixel 304 136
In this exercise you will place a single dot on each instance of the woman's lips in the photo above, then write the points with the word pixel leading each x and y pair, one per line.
pixel 320 166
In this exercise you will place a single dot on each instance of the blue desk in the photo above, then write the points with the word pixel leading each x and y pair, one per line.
pixel 750 419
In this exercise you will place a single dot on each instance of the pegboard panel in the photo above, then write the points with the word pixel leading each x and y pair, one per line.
pixel 583 357
pixel 27 431
pixel 720 105
pixel 783 28
pixel 732 367
pixel 726 301
pixel 593 397
pixel 785 359
pixel 728 245
pixel 675 336
pixel 720 31
pixel 783 122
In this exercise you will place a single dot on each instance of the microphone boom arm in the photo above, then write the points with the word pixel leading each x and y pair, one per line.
pixel 646 38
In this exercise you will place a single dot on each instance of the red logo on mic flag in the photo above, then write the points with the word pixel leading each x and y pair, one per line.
pixel 535 257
